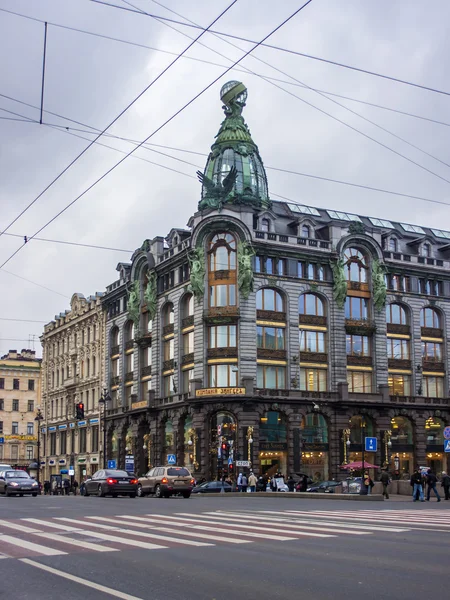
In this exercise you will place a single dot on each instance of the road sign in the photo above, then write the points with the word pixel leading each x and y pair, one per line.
pixel 447 446
pixel 2 440
pixel 446 433
pixel 242 463
pixel 371 444
pixel 71 472
pixel 230 461
pixel 129 463
pixel 171 459
pixel 112 464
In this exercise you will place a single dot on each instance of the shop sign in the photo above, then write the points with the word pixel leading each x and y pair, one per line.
pixel 28 438
pixel 242 463
pixel 273 445
pixel 220 392
pixel 136 405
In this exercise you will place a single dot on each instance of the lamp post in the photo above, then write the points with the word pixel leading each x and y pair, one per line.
pixel 363 490
pixel 387 447
pixel 249 444
pixel 104 398
pixel 192 443
pixel 38 418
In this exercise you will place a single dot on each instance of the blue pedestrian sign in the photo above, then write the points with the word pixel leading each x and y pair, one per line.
pixel 230 461
pixel 112 464
pixel 171 459
pixel 447 446
pixel 371 444
pixel 2 440
pixel 447 433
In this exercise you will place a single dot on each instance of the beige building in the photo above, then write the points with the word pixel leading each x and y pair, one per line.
pixel 20 392
pixel 72 373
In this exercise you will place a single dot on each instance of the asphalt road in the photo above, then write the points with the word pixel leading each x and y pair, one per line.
pixel 217 548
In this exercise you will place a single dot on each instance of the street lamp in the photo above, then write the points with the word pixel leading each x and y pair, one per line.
pixel 39 417
pixel 363 490
pixel 104 398
pixel 192 443
pixel 387 447
pixel 249 443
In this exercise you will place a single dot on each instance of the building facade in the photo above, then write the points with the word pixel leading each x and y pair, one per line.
pixel 278 333
pixel 20 393
pixel 72 373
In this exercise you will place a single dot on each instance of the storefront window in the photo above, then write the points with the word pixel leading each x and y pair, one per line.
pixel 188 455
pixel 273 443
pixel 222 443
pixel 402 431
pixel 360 427
pixel 169 445
pixel 434 428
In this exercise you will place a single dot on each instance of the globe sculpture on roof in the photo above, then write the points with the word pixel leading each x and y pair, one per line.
pixel 234 172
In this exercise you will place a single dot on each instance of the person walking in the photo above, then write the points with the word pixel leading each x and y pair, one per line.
pixel 291 483
pixel 416 484
pixel 244 483
pixel 66 486
pixel 46 487
pixel 252 482
pixel 432 481
pixel 75 487
pixel 445 483
pixel 239 482
pixel 385 480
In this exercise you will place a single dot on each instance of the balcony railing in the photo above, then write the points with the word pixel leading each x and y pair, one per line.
pixel 271 315
pixel 428 364
pixel 187 322
pixel 397 328
pixel 115 380
pixel 129 345
pixel 129 376
pixel 115 350
pixel 432 332
pixel 399 363
pixel 145 371
pixel 360 326
pixel 186 359
pixel 359 361
pixel 269 354
pixel 169 365
pixel 168 329
pixel 313 357
pixel 312 320
pixel 221 314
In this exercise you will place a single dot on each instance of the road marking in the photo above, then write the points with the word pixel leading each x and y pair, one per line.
pixel 17 527
pixel 91 584
pixel 30 546
pixel 73 542
pixel 354 517
pixel 52 525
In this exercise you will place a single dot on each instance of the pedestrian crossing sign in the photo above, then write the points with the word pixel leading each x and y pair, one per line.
pixel 447 446
pixel 171 459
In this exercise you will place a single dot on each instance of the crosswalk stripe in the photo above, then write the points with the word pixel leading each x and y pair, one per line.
pixel 7 539
pixel 17 527
pixel 353 517
pixel 51 525
pixel 55 537
pixel 206 536
pixel 266 536
pixel 131 532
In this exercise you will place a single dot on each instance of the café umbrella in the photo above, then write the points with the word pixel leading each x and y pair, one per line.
pixel 359 465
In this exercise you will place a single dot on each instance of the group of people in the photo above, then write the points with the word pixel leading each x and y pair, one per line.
pixel 60 487
pixel 419 481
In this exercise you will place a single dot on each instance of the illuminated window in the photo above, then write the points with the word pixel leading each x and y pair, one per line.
pixel 313 380
pixel 399 385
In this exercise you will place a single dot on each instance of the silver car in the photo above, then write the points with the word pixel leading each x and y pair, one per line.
pixel 17 483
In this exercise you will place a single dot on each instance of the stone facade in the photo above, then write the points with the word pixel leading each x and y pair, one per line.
pixel 72 371
pixel 20 394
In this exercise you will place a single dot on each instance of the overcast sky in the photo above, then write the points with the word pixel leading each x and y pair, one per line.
pixel 91 79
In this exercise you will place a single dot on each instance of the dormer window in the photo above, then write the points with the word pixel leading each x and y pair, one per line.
pixel 265 225
pixel 426 250
pixel 305 231
pixel 393 245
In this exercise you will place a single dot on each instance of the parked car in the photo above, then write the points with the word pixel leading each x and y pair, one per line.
pixel 111 481
pixel 212 487
pixel 17 483
pixel 4 467
pixel 165 482
pixel 326 487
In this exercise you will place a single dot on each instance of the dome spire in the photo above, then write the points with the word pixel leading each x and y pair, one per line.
pixel 234 172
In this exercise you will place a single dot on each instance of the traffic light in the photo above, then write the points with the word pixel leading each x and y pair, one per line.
pixel 80 411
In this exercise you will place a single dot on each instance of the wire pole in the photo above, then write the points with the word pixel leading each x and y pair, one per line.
pixel 43 72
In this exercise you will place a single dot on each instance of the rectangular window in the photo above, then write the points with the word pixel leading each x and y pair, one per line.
pixel 2 383
pixel 356 308
pixel 115 368
pixel 188 375
pixel 30 406
pixel 222 336
pixel 15 405
pixel 301 269
pixel 82 438
pixel 15 428
pixel 53 443
pixel 271 377
pixel 397 348
pixel 169 349
pixel 31 385
pixel 1 426
pixel 222 295
pixel 30 428
pixel 188 342
pixel 94 439
pixel 63 442
pixel 259 264
pixel 270 338
pixel 312 341
pixel 129 358
pixel 128 391
pixel 168 384
pixel 359 382
pixel 2 404
pixel 30 452
pixel 432 351
pixel 14 453
pixel 358 345
pixel 313 380
pixel 15 384
pixel 433 387
pixel 223 375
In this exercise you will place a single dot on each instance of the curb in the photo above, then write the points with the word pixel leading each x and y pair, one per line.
pixel 299 496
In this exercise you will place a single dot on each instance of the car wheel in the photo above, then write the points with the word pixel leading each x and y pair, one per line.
pixel 186 494
pixel 158 493
pixel 132 495
pixel 100 492
pixel 34 494
pixel 140 491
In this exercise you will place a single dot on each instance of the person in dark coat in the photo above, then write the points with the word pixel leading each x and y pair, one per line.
pixel 416 482
pixel 291 483
pixel 385 480
pixel 432 481
pixel 445 483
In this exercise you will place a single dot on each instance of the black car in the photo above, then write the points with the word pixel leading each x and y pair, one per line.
pixel 324 487
pixel 17 483
pixel 212 487
pixel 112 482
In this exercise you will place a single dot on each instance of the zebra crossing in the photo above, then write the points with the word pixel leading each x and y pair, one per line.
pixel 55 536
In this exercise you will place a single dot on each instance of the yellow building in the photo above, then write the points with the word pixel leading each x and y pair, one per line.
pixel 20 393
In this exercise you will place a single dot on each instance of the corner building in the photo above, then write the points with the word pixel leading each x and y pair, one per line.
pixel 278 333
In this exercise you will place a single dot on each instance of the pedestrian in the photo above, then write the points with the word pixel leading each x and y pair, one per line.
pixel 416 484
pixel 445 483
pixel 368 482
pixel 304 485
pixel 239 482
pixel 244 483
pixel 291 483
pixel 54 487
pixel 46 487
pixel 252 482
pixel 385 480
pixel 66 487
pixel 432 481
pixel 75 487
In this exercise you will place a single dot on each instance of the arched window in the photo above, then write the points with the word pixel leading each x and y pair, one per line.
pixel 426 250
pixel 222 251
pixel 169 445
pixel 305 231
pixel 129 331
pixel 355 265
pixel 187 306
pixel 269 299
pixel 310 304
pixel 395 313
pixel 265 225
pixel 168 315
pixel 434 428
pixel 402 431
pixel 429 317
pixel 222 270
pixel 314 429
pixel 393 245
pixel 272 427
pixel 360 427
pixel 114 337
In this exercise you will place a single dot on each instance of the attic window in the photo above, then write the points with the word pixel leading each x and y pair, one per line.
pixel 412 228
pixel 393 245
pixel 265 225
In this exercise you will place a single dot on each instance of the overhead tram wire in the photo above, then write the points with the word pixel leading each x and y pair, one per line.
pixel 21 320
pixel 192 100
pixel 222 35
pixel 34 283
pixel 17 235
pixel 279 48
pixel 264 62
pixel 119 116
pixel 288 171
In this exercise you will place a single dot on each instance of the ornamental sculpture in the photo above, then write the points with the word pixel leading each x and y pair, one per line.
pixel 378 284
pixel 245 254
pixel 215 195
pixel 340 282
pixel 134 303
pixel 150 295
pixel 198 270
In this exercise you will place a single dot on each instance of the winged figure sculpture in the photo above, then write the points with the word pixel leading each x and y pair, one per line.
pixel 215 194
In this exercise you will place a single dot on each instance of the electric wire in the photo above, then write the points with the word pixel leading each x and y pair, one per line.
pixel 24 237
pixel 180 110
pixel 118 117
pixel 279 48
pixel 21 320
pixel 34 283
